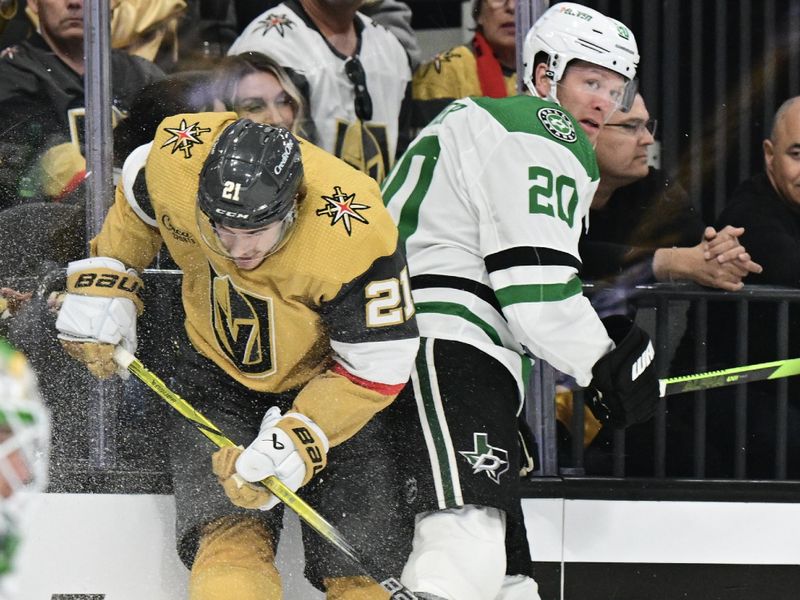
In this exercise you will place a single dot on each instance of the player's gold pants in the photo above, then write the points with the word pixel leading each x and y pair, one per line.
pixel 236 560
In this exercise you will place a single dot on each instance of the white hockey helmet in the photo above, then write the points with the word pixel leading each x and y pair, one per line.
pixel 24 446
pixel 569 31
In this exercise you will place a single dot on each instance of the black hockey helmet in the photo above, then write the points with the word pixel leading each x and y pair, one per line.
pixel 251 177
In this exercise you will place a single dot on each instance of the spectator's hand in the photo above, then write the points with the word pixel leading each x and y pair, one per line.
pixel 11 301
pixel 713 273
pixel 724 248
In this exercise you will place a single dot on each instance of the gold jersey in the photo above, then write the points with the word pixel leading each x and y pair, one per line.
pixel 330 312
pixel 448 76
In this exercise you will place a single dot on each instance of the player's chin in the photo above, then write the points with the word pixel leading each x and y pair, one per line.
pixel 248 264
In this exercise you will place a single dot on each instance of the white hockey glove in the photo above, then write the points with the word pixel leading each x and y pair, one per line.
pixel 99 313
pixel 291 447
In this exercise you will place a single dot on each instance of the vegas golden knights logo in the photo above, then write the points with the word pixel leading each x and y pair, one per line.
pixel 241 324
pixel 364 146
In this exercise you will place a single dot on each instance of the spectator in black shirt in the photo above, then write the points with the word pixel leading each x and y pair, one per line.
pixel 42 93
pixel 643 226
pixel 767 206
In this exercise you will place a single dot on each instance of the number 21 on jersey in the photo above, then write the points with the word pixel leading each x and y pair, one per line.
pixel 389 301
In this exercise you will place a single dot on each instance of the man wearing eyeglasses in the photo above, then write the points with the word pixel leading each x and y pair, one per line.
pixel 644 225
pixel 643 228
pixel 490 200
pixel 358 76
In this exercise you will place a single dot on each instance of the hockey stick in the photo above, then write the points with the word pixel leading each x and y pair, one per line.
pixel 316 521
pixel 712 379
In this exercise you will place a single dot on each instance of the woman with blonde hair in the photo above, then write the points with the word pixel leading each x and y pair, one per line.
pixel 254 86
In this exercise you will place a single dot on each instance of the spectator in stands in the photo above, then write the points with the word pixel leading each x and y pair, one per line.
pixel 8 10
pixel 143 28
pixel 396 17
pixel 392 14
pixel 42 93
pixel 147 28
pixel 643 226
pixel 254 86
pixel 358 76
pixel 767 206
pixel 487 67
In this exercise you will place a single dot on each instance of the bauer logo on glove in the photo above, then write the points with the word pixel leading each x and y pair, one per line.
pixel 99 312
pixel 291 447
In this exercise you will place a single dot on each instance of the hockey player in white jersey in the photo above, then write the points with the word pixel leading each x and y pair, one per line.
pixel 24 443
pixel 490 199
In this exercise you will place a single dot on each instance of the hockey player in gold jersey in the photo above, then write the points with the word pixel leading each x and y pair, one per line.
pixel 302 333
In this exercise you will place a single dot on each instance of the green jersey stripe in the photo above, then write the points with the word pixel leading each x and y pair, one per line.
pixel 428 149
pixel 434 427
pixel 543 292
pixel 457 310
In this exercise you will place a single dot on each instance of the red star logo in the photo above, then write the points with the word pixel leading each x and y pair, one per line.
pixel 184 137
pixel 340 207
pixel 275 22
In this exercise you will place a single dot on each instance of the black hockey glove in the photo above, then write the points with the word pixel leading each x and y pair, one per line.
pixel 624 384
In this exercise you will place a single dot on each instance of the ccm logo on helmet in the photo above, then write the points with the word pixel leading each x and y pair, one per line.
pixel 643 361
pixel 230 213
pixel 312 450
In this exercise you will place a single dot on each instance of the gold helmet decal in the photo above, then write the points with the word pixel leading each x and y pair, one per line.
pixel 242 325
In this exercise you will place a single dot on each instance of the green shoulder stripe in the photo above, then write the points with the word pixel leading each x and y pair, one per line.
pixel 544 292
pixel 527 114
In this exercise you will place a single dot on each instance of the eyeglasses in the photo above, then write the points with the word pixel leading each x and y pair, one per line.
pixel 637 128
pixel 355 73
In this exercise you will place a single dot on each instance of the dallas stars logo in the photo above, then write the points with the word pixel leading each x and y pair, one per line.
pixel 486 458
pixel 340 207
pixel 558 124
pixel 275 22
pixel 184 137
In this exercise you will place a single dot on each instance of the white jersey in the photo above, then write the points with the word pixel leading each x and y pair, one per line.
pixel 489 200
pixel 286 33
